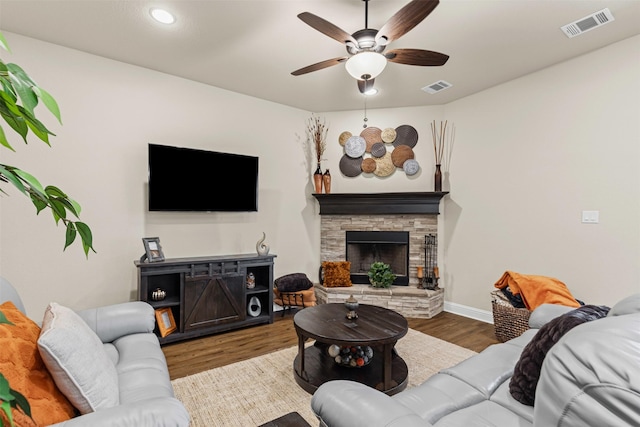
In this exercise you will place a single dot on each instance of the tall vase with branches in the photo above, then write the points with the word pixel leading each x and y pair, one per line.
pixel 317 135
pixel 19 96
pixel 442 144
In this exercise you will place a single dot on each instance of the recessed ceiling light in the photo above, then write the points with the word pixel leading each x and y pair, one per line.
pixel 162 16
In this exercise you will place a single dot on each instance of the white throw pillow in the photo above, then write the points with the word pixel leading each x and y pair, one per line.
pixel 77 361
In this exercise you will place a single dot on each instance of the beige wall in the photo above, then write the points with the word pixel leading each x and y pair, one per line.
pixel 529 156
pixel 111 111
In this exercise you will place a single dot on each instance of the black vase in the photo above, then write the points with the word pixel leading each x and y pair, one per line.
pixel 437 179
pixel 317 179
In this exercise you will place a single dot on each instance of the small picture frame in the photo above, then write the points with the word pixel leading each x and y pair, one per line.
pixel 166 323
pixel 153 249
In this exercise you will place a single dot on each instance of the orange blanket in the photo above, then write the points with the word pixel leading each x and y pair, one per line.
pixel 537 290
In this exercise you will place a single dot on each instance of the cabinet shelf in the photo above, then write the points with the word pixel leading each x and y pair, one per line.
pixel 167 302
pixel 208 295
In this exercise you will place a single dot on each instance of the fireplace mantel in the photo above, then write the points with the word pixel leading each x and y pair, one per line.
pixel 380 203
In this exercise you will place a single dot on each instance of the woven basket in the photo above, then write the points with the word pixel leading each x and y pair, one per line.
pixel 509 322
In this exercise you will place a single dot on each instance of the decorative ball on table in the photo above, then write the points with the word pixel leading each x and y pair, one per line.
pixel 351 356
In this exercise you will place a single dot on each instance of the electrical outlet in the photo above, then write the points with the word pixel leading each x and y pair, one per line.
pixel 590 217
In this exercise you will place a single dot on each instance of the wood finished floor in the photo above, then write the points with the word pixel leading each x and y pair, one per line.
pixel 197 355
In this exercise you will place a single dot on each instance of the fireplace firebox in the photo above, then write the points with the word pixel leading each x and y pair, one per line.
pixel 363 248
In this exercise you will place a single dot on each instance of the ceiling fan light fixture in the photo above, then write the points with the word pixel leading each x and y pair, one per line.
pixel 162 16
pixel 369 64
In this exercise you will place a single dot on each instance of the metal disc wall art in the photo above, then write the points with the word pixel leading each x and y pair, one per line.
pixel 355 146
pixel 350 166
pixel 388 135
pixel 372 135
pixel 411 167
pixel 379 152
pixel 400 154
pixel 406 135
pixel 378 149
pixel 368 165
pixel 343 137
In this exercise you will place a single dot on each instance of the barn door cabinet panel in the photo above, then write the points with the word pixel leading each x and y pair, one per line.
pixel 207 295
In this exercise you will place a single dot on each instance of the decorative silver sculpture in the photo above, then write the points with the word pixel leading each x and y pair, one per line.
pixel 352 305
pixel 261 247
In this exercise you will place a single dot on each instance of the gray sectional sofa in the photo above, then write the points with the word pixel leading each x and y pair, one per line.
pixel 143 390
pixel 590 377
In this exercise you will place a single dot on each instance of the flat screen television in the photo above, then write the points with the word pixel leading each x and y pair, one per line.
pixel 187 179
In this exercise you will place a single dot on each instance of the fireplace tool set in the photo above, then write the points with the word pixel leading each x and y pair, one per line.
pixel 430 276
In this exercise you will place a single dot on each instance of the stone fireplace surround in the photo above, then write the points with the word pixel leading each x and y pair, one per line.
pixel 416 213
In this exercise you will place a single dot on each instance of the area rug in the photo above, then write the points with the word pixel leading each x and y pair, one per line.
pixel 255 391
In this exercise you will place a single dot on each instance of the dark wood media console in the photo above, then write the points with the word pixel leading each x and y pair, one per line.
pixel 207 295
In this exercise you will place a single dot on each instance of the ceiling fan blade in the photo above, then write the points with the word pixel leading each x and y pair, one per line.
pixel 416 57
pixel 365 85
pixel 404 20
pixel 319 66
pixel 327 28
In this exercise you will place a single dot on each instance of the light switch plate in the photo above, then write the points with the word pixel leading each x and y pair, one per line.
pixel 590 217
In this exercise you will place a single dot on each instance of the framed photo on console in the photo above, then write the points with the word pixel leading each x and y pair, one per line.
pixel 165 320
pixel 152 248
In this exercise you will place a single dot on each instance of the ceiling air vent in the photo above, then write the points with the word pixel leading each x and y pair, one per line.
pixel 588 23
pixel 437 86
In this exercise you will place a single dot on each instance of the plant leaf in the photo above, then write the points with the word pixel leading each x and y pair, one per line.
pixel 54 191
pixel 6 407
pixel 21 402
pixel 70 235
pixel 86 236
pixel 23 84
pixel 3 140
pixel 11 177
pixel 38 203
pixel 17 123
pixel 31 180
pixel 48 101
pixel 58 208
pixel 4 320
pixel 4 44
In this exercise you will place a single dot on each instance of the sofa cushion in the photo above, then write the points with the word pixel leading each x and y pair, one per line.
pixel 527 371
pixel 336 274
pixel 293 282
pixel 76 359
pixel 22 366
pixel 628 305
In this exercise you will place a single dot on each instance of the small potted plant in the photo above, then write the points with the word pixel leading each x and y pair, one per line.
pixel 381 275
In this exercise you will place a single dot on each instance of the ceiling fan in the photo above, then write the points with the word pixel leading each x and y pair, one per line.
pixel 366 57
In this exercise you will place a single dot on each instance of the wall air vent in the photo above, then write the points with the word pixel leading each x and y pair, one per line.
pixel 587 23
pixel 437 86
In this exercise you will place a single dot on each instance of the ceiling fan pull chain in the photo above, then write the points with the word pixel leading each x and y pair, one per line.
pixel 365 112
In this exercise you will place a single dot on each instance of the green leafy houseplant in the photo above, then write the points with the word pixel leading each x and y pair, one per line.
pixel 19 96
pixel 381 275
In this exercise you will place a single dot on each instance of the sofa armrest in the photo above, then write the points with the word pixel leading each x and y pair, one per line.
pixel 342 403
pixel 114 321
pixel 164 411
pixel 591 376
pixel 545 313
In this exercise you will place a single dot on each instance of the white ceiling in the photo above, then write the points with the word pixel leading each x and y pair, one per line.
pixel 252 46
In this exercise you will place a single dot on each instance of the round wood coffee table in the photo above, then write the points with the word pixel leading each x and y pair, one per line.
pixel 327 324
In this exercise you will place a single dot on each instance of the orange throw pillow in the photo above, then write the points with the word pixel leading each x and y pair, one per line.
pixel 22 366
pixel 337 274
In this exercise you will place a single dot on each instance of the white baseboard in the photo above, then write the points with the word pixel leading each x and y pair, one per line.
pixel 466 311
